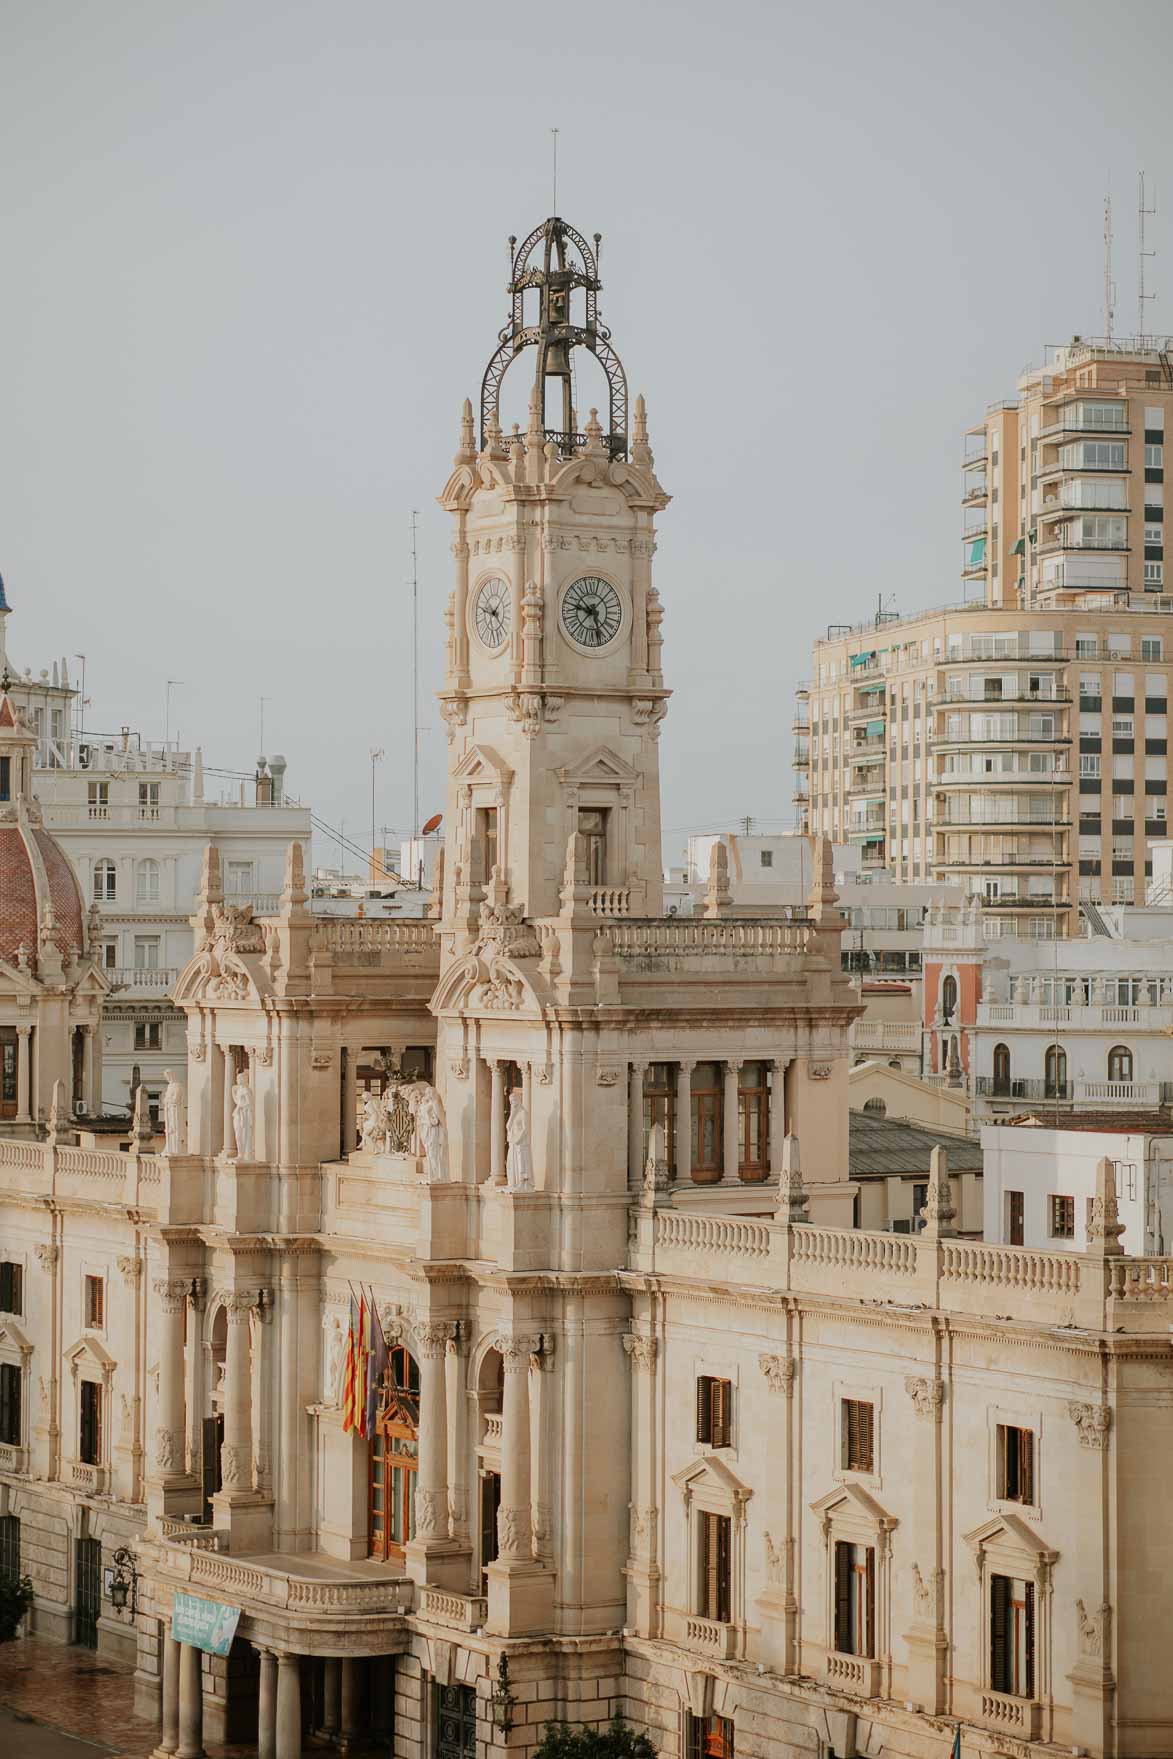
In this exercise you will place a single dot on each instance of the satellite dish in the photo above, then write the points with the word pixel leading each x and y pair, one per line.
pixel 433 824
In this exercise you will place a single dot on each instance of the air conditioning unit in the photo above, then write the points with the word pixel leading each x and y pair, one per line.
pixel 901 1227
pixel 83 757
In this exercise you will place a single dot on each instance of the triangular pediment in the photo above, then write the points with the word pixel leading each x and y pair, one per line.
pixel 708 1472
pixel 853 1499
pixel 13 1338
pixel 12 978
pixel 93 1348
pixel 482 763
pixel 602 765
pixel 1011 1531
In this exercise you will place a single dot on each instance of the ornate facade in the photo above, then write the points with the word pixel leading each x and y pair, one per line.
pixel 659 1430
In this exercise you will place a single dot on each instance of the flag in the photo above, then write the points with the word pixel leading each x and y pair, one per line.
pixel 956 1753
pixel 361 1355
pixel 378 1367
pixel 349 1377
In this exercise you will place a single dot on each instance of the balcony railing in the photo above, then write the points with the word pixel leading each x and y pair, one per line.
pixel 904 1035
pixel 1025 1087
pixel 144 979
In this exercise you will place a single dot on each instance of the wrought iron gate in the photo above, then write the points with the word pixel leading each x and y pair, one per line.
pixel 456 1722
pixel 89 1591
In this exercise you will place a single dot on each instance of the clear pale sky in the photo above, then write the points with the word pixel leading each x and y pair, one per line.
pixel 254 257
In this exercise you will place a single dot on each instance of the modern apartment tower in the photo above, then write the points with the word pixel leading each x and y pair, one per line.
pixel 1017 743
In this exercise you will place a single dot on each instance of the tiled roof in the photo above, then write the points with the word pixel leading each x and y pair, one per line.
pixel 1157 1122
pixel 890 1145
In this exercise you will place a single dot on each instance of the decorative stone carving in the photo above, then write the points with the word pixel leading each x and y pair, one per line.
pixel 779 1372
pixel 235 1466
pixel 169 1450
pixel 197 1052
pixel 606 1077
pixel 820 1071
pixel 643 1526
pixel 428 1110
pixel 171 1293
pixel 1092 1629
pixel 321 1059
pixel 335 1361
pixel 130 1270
pixel 502 929
pixel 927 1396
pixel 242 1117
pixel 519 1166
pixel 1092 1423
pixel 431 1512
pixel 433 1337
pixel 928 1594
pixel 511 1535
pixel 775 1560
pixel 792 1197
pixel 373 1137
pixel 525 708
pixel 46 1256
pixel 173 1139
pixel 643 1351
pixel 1104 1226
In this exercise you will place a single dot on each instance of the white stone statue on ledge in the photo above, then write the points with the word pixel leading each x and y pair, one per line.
pixel 373 1134
pixel 335 1360
pixel 519 1165
pixel 428 1108
pixel 173 1115
pixel 242 1117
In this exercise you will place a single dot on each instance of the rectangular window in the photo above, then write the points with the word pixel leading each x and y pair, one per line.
pixel 146 952
pixel 1089 764
pixel 1016 1447
pixel 707 1107
pixel 857 1436
pixel 1154 457
pixel 1012 1636
pixel 1154 574
pixel 11 1287
pixel 1150 647
pixel 90 1437
pixel 238 878
pixel 487 838
pixel 148 799
pixel 5 778
pixel 714 1411
pixel 710 1737
pixel 767 856
pixel 147 1036
pixel 592 825
pixel 1014 1218
pixel 10 1379
pixel 716 1569
pixel 753 1119
pixel 855 1598
pixel 95 1301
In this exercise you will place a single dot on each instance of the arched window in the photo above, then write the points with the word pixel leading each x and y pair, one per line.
pixel 1119 1063
pixel 1055 1072
pixel 147 886
pixel 948 999
pixel 876 1107
pixel 105 882
pixel 1002 1068
pixel 394 1457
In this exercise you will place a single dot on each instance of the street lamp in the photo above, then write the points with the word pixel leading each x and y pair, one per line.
pixel 501 1698
pixel 124 1582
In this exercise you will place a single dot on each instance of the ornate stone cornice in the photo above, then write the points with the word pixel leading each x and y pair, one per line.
pixel 518 1347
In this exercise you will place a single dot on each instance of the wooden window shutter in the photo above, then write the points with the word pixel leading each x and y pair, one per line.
pixel 724 1568
pixel 865 1436
pixel 704 1408
pixel 10 1404
pixel 868 1646
pixel 843 1634
pixel 722 1413
pixel 1028 1683
pixel 708 1566
pixel 1026 1465
pixel 1000 1633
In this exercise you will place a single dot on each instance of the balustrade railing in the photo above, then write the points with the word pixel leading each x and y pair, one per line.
pixel 646 936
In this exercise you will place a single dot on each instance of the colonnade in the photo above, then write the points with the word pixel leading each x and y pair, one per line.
pixel 178 1377
pixel 31 1102
pixel 731 1170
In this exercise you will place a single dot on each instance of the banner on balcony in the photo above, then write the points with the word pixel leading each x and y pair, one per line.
pixel 204 1624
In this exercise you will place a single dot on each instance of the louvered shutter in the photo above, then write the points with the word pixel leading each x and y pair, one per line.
pixel 868 1646
pixel 704 1408
pixel 1000 1633
pixel 866 1455
pixel 722 1413
pixel 1026 1465
pixel 10 1404
pixel 1029 1640
pixel 723 1567
pixel 843 1635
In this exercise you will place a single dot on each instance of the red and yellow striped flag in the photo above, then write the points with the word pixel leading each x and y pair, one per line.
pixel 349 1378
pixel 362 1367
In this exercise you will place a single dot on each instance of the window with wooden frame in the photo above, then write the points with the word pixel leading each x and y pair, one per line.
pixel 487 821
pixel 89 1448
pixel 716 1568
pixel 592 828
pixel 10 1403
pixel 95 1301
pixel 1062 1217
pixel 710 1737
pixel 490 1504
pixel 714 1411
pixel 1012 1636
pixel 858 1453
pixel 660 1108
pixel 707 1097
pixel 393 1453
pixel 11 1287
pixel 753 1120
pixel 855 1599
pixel 1016 1463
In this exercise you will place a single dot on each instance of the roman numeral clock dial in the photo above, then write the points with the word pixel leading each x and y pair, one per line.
pixel 592 612
pixel 492 613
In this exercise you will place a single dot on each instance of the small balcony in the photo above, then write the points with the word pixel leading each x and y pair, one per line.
pixel 857 1674
pixel 144 980
pixel 716 1641
pixel 974 495
pixel 802 755
pixel 1021 1717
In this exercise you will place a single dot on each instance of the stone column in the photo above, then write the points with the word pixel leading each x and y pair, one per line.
pixel 288 1707
pixel 194 1369
pixel 513 1519
pixel 635 1124
pixel 431 1496
pixel 170 1431
pixel 777 1114
pixel 729 1115
pixel 88 1090
pixel 684 1121
pixel 331 1696
pixel 227 1138
pixel 350 1101
pixel 23 1074
pixel 351 1691
pixel 267 1706
pixel 497 1124
pixel 169 1735
pixel 191 1704
pixel 236 1452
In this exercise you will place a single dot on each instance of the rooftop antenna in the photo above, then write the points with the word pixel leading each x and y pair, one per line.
pixel 1109 286
pixel 415 681
pixel 1141 295
pixel 263 700
pixel 554 132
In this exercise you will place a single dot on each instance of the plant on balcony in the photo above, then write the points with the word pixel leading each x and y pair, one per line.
pixel 618 1741
pixel 16 1596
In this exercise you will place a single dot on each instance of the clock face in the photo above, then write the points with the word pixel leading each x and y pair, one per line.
pixel 492 612
pixel 592 611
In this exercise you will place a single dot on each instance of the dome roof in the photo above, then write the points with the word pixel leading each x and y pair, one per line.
pixel 38 887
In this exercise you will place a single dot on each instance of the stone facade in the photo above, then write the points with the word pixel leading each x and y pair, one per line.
pixel 660 1431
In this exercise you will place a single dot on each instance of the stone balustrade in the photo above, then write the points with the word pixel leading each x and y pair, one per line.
pixel 247 1582
pixel 902 1035
pixel 665 936
pixel 144 979
pixel 342 935
pixel 718 1641
pixel 462 1612
pixel 610 901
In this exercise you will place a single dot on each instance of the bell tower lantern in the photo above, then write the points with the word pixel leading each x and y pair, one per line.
pixel 554 691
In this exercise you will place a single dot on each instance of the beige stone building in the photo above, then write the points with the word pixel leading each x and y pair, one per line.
pixel 1018 744
pixel 660 1430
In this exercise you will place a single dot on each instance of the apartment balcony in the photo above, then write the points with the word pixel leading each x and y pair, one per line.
pixel 711 1638
pixel 971 533
pixel 1019 1717
pixel 873 710
pixel 961 741
pixel 865 784
pixel 974 496
pixel 1021 693
pixel 1014 862
pixel 1051 470
pixel 990 1087
pixel 978 458
pixel 800 796
pixel 1018 778
pixel 802 755
pixel 1095 430
pixel 1074 1017
pixel 1065 509
pixel 867 750
pixel 1058 541
pixel 885 1035
pixel 856 1674
pixel 143 980
pixel 1026 901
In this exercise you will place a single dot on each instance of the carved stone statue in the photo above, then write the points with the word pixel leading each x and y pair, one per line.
pixel 373 1135
pixel 173 1114
pixel 242 1117
pixel 519 1165
pixel 335 1359
pixel 433 1130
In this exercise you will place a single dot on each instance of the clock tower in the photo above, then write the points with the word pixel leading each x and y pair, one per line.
pixel 554 691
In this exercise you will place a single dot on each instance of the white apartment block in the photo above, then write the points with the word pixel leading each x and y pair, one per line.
pixel 1039 1184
